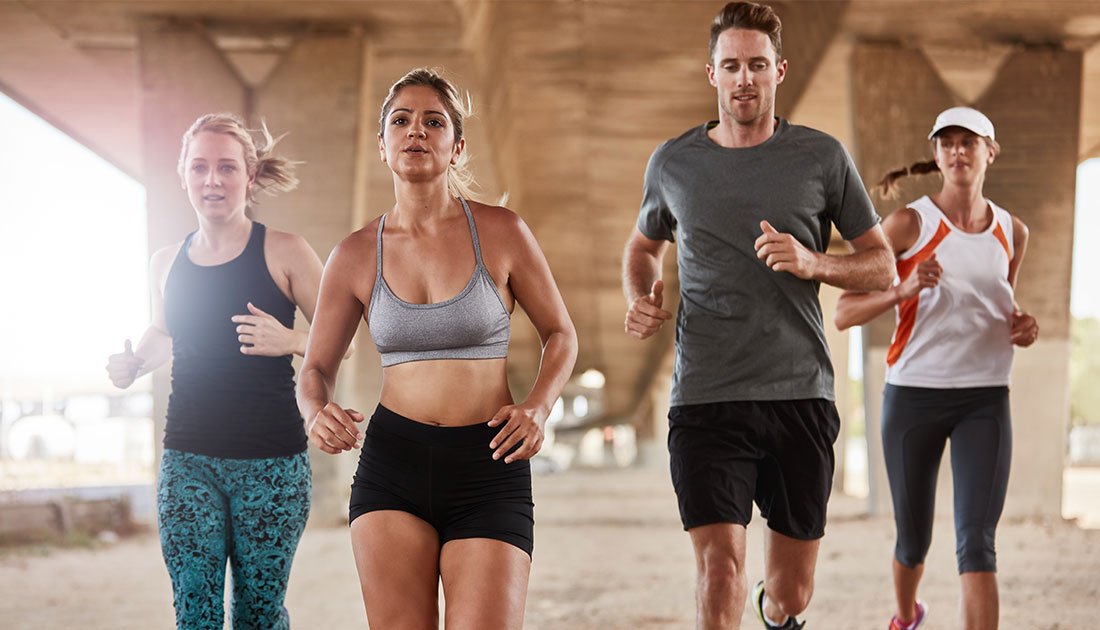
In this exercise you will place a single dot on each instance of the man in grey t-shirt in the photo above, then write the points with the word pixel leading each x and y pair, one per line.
pixel 750 201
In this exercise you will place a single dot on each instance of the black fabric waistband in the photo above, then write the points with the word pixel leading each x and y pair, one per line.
pixel 394 423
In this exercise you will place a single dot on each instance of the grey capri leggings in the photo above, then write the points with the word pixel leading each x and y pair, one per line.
pixel 916 423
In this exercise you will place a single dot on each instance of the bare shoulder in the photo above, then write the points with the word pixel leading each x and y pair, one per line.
pixel 358 248
pixel 903 217
pixel 284 239
pixel 160 263
pixel 498 223
pixel 902 228
pixel 287 245
pixel 1019 228
pixel 162 259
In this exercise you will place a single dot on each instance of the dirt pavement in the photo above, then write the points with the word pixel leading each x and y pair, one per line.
pixel 609 554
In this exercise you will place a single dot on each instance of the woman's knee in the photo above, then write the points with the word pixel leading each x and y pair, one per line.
pixel 909 556
pixel 975 550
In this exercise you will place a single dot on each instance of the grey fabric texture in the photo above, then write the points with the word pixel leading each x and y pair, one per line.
pixel 743 331
pixel 472 325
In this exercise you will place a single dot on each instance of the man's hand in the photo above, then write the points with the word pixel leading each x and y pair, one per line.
pixel 645 315
pixel 782 252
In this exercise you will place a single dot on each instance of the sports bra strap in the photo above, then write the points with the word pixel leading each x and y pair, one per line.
pixel 382 224
pixel 473 231
pixel 378 250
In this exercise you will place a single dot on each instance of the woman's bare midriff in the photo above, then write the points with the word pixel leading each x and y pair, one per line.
pixel 449 392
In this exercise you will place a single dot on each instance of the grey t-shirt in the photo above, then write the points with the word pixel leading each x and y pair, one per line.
pixel 743 331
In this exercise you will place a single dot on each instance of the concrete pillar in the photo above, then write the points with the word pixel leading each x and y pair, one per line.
pixel 182 77
pixel 898 94
pixel 1035 179
pixel 313 96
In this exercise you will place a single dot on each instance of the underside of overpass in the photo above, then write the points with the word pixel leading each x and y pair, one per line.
pixel 572 96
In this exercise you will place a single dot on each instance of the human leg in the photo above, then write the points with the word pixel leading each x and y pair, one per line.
pixel 269 506
pixel 397 558
pixel 981 454
pixel 789 567
pixel 914 435
pixel 485 584
pixel 721 585
pixel 793 488
pixel 192 521
pixel 713 463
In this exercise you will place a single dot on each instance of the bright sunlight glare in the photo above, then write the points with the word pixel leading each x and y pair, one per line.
pixel 73 260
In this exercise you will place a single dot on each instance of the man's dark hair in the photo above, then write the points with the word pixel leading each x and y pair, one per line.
pixel 751 16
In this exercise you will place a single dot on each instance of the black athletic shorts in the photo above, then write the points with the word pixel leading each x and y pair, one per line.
pixel 445 476
pixel 777 453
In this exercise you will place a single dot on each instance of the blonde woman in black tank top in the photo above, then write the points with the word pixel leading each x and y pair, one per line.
pixel 443 486
pixel 234 481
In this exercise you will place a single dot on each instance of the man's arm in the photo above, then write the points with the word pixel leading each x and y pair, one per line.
pixel 643 286
pixel 869 268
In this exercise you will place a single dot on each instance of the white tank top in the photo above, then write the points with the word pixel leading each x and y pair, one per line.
pixel 957 334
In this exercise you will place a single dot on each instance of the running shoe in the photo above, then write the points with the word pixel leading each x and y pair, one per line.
pixel 758 606
pixel 922 614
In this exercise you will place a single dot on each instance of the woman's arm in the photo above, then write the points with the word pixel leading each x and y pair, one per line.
pixel 859 307
pixel 1025 329
pixel 155 347
pixel 1020 235
pixel 533 285
pixel 261 333
pixel 335 319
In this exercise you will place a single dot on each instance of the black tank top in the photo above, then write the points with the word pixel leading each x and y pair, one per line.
pixel 225 403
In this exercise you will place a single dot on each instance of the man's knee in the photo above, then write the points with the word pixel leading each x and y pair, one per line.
pixel 720 552
pixel 792 598
pixel 721 573
pixel 721 570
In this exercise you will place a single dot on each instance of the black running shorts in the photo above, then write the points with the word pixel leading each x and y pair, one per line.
pixel 777 453
pixel 445 476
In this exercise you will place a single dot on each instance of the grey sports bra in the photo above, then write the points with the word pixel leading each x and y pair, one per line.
pixel 472 325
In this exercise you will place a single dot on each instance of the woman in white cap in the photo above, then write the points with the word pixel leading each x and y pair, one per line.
pixel 958 257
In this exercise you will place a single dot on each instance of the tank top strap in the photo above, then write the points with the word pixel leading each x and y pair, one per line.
pixel 931 223
pixel 256 239
pixel 182 253
pixel 1004 219
pixel 253 253
pixel 473 231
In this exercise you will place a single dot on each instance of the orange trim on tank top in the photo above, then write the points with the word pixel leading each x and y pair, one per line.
pixel 907 309
pixel 1000 234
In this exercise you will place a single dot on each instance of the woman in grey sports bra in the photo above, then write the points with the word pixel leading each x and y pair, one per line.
pixel 443 487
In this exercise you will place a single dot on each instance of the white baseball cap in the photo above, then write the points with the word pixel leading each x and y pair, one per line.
pixel 965 117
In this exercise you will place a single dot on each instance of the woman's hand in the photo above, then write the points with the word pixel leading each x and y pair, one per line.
pixel 521 423
pixel 1025 330
pixel 123 368
pixel 264 335
pixel 333 429
pixel 925 276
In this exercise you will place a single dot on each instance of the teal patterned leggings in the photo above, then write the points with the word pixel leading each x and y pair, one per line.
pixel 250 512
